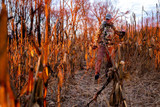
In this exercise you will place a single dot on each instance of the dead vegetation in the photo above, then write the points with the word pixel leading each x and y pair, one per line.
pixel 50 55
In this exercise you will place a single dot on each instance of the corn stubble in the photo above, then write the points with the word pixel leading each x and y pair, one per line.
pixel 47 42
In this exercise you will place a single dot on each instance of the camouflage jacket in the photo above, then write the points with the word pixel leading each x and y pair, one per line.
pixel 106 33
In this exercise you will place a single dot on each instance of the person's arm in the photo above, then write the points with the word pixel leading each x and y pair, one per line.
pixel 101 29
pixel 98 34
pixel 119 33
pixel 114 28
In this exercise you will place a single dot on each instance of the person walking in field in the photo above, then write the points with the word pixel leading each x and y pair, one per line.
pixel 105 35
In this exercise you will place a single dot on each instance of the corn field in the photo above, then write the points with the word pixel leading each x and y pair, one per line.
pixel 45 41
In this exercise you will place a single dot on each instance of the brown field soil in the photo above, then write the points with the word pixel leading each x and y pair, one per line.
pixel 139 90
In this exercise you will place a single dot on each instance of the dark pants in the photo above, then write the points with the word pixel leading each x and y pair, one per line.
pixel 102 51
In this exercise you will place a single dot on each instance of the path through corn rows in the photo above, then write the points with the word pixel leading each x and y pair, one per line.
pixel 140 91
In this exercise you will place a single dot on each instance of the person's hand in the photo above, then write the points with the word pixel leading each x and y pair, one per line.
pixel 94 47
pixel 121 34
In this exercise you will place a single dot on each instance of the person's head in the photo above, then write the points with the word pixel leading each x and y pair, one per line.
pixel 108 17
